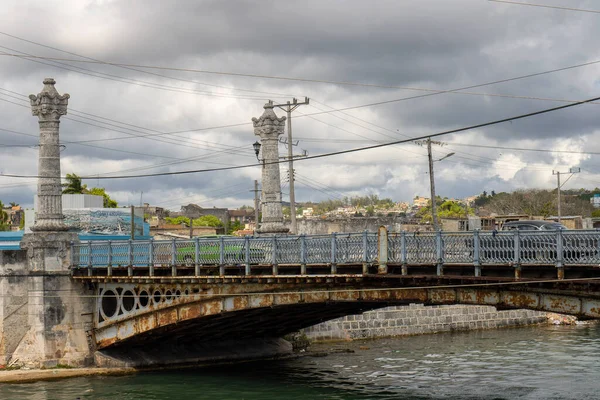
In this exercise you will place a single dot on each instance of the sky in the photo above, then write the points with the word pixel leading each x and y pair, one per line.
pixel 220 61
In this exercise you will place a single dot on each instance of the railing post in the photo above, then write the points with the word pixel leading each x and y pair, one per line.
pixel 274 260
pixel 247 255
pixel 110 255
pixel 440 253
pixel 333 254
pixel 151 257
pixel 221 256
pixel 476 246
pixel 173 258
pixel 517 254
pixel 365 260
pixel 90 263
pixel 130 252
pixel 109 266
pixel 197 256
pixel 403 253
pixel 302 254
pixel 131 259
pixel 382 250
pixel 560 267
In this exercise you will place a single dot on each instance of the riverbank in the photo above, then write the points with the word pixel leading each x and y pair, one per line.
pixel 34 375
pixel 418 319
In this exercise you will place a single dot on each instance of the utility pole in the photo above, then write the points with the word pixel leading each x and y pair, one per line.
pixel 256 204
pixel 558 185
pixel 432 187
pixel 288 108
pixel 428 142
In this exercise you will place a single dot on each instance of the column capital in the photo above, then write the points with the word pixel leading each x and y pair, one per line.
pixel 49 105
pixel 268 124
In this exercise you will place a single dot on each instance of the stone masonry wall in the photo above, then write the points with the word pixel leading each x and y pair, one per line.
pixel 417 319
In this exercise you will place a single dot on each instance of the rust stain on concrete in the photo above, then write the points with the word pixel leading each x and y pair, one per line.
pixel 519 299
pixel 166 317
pixel 442 296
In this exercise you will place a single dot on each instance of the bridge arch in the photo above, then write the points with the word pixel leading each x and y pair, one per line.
pixel 133 313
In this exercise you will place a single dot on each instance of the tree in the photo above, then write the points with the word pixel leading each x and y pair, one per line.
pixel 208 220
pixel 3 218
pixel 73 185
pixel 13 204
pixel 107 201
pixel 234 227
pixel 447 209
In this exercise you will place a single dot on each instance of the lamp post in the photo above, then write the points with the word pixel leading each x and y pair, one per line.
pixel 257 146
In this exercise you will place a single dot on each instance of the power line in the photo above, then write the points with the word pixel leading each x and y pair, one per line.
pixel 143 135
pixel 348 151
pixel 524 149
pixel 308 80
pixel 546 6
pixel 116 78
pixel 142 71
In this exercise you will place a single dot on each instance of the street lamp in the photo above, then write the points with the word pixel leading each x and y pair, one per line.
pixel 256 146
pixel 446 156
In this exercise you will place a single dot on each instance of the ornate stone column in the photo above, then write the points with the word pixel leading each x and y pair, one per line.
pixel 59 309
pixel 48 106
pixel 269 127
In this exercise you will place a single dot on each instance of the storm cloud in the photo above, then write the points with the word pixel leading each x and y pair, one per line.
pixel 134 120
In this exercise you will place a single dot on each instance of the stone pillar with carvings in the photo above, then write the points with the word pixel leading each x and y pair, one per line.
pixel 48 106
pixel 269 127
pixel 59 310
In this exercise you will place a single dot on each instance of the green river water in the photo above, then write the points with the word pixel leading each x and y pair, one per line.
pixel 544 362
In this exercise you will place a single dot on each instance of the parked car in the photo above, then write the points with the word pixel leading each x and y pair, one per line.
pixel 532 225
pixel 538 244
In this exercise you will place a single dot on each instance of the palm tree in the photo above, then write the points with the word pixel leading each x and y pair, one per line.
pixel 3 217
pixel 73 185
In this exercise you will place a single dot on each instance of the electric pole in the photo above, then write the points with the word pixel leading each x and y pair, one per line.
pixel 428 142
pixel 288 108
pixel 432 187
pixel 256 204
pixel 558 185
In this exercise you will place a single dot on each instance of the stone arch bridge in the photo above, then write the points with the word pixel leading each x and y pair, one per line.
pixel 219 289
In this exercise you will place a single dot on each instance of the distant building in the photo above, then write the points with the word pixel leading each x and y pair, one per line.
pixel 243 216
pixel 595 200
pixel 152 211
pixel 420 202
pixel 194 211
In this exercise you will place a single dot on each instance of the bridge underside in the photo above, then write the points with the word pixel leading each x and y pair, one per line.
pixel 143 312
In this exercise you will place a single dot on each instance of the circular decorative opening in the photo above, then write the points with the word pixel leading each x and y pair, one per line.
pixel 157 296
pixel 168 295
pixel 177 293
pixel 128 300
pixel 109 303
pixel 144 299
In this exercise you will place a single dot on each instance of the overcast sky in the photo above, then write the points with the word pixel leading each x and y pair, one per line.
pixel 424 44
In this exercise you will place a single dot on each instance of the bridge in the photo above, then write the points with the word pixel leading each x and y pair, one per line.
pixel 217 288
pixel 145 302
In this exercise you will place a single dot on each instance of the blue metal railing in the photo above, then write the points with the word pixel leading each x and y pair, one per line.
pixel 477 248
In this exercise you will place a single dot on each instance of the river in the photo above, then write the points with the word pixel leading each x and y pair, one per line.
pixel 542 362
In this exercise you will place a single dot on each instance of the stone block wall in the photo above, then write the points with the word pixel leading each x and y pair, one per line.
pixel 417 319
